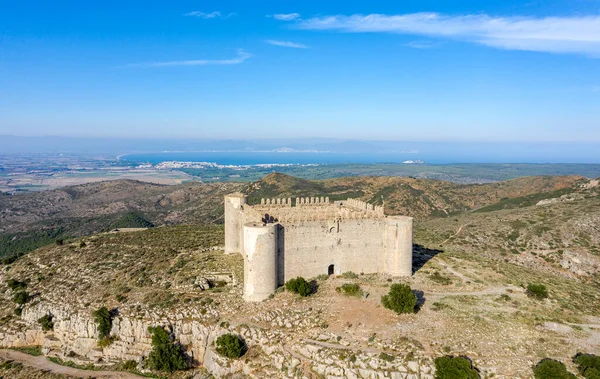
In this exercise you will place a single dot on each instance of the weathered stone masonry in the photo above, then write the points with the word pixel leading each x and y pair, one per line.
pixel 281 240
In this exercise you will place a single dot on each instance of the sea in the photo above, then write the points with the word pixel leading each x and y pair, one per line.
pixel 431 153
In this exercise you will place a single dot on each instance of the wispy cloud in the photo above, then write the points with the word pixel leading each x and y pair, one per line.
pixel 421 44
pixel 287 44
pixel 209 15
pixel 576 34
pixel 285 16
pixel 239 58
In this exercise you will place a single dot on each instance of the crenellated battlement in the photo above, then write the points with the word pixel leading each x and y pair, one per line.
pixel 314 209
pixel 300 201
pixel 363 205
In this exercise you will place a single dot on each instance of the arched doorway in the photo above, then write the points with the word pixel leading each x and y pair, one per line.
pixel 330 270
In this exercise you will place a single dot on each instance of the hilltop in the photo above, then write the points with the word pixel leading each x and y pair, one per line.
pixel 32 220
pixel 471 271
pixel 420 198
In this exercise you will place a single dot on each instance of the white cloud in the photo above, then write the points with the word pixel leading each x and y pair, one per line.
pixel 287 44
pixel 421 44
pixel 575 34
pixel 239 58
pixel 203 14
pixel 286 16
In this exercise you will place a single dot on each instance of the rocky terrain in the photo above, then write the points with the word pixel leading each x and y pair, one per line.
pixel 471 270
pixel 29 221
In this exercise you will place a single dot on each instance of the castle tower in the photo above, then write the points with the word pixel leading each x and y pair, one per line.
pixel 233 222
pixel 260 260
pixel 398 245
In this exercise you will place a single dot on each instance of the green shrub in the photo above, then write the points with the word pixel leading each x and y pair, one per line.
pixel 21 297
pixel 16 285
pixel 18 311
pixel 299 286
pixel 103 320
pixel 349 275
pixel 60 242
pixel 538 291
pixel 230 345
pixel 400 299
pixel 129 365
pixel 386 357
pixel 46 322
pixel 588 365
pixel 449 367
pixel 440 279
pixel 551 369
pixel 350 289
pixel 165 355
pixel 106 341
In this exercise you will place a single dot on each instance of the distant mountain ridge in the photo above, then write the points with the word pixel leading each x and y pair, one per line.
pixel 32 220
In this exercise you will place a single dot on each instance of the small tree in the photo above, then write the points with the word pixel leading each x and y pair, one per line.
pixel 103 320
pixel 450 367
pixel 588 365
pixel 400 299
pixel 46 322
pixel 551 369
pixel 230 345
pixel 538 291
pixel 165 355
pixel 299 286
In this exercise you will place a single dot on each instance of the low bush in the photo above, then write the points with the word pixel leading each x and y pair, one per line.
pixel 538 291
pixel 551 369
pixel 450 367
pixel 21 297
pixel 16 285
pixel 106 341
pixel 230 345
pixel 350 289
pixel 299 285
pixel 46 322
pixel 400 299
pixel 588 365
pixel 349 275
pixel 386 357
pixel 103 320
pixel 165 355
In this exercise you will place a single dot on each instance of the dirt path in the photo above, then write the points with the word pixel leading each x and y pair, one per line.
pixel 42 363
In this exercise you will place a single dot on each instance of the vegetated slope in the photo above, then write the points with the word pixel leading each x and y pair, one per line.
pixel 421 198
pixel 159 267
pixel 560 235
pixel 473 300
pixel 32 220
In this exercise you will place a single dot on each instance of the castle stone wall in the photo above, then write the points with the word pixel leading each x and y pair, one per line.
pixel 233 222
pixel 350 245
pixel 281 240
pixel 398 241
pixel 260 260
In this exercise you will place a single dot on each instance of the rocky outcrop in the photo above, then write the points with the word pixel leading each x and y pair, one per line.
pixel 271 353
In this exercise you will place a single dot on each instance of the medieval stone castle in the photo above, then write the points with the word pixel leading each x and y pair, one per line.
pixel 281 240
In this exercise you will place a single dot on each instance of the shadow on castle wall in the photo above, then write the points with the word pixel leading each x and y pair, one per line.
pixel 422 255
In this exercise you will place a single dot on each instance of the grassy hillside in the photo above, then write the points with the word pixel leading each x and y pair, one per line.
pixel 471 273
pixel 33 220
pixel 421 198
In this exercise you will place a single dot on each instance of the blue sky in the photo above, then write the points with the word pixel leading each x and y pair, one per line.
pixel 410 70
